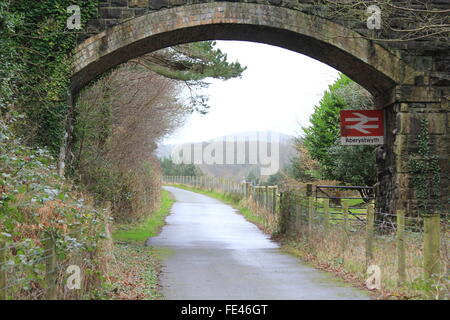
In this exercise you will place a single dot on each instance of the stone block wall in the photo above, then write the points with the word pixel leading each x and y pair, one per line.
pixel 395 189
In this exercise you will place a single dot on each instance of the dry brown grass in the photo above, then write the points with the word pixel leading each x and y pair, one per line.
pixel 121 118
pixel 326 249
pixel 345 253
pixel 265 219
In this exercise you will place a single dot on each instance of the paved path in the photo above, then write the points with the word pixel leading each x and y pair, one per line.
pixel 211 252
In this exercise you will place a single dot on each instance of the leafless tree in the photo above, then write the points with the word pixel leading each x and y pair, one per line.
pixel 120 120
pixel 401 21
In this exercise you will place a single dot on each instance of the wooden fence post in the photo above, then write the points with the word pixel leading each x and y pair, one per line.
pixel 401 264
pixel 299 202
pixel 261 196
pixel 274 200
pixel 50 267
pixel 369 233
pixel 309 192
pixel 431 245
pixel 3 247
pixel 266 197
pixel 326 211
pixel 345 227
pixel 285 198
pixel 261 192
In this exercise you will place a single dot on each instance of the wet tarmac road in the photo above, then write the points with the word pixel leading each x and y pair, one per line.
pixel 211 252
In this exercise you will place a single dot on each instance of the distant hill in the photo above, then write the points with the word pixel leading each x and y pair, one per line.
pixel 245 139
pixel 164 150
pixel 261 136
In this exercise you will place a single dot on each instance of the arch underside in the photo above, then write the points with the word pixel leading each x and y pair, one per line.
pixel 368 64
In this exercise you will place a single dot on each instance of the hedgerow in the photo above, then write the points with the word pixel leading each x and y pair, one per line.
pixel 35 204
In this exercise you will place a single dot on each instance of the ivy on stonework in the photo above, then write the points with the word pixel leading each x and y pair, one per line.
pixel 426 174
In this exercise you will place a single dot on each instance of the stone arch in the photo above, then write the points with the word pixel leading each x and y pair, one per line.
pixel 367 63
pixel 406 93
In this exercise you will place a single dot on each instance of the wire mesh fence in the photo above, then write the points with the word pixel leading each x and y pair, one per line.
pixel 38 269
pixel 265 197
pixel 410 251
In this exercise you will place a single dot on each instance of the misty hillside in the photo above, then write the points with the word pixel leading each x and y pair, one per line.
pixel 246 140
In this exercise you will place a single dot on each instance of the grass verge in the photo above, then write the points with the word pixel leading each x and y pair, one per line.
pixel 140 232
pixel 135 268
pixel 133 273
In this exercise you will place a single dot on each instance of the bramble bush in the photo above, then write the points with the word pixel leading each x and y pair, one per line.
pixel 36 203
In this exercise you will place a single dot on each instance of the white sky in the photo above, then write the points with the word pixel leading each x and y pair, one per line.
pixel 277 92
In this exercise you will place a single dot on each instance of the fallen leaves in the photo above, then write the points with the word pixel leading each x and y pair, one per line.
pixel 132 275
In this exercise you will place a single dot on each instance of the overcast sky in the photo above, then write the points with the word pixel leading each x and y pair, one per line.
pixel 277 92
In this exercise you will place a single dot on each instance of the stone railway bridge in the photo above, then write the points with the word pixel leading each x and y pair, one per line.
pixel 409 80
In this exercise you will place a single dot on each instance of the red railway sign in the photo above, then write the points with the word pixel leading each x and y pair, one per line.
pixel 362 127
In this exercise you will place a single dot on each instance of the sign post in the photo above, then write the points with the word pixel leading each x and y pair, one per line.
pixel 362 127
